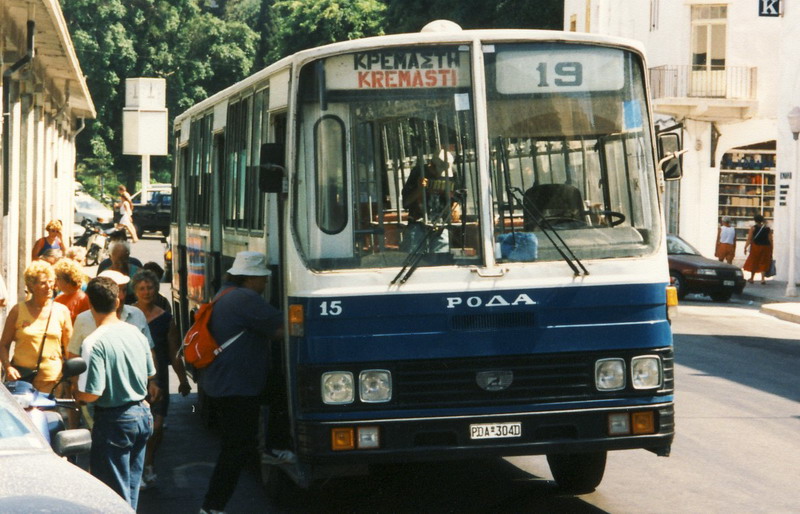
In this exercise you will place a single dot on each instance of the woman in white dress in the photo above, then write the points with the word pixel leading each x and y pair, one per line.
pixel 125 207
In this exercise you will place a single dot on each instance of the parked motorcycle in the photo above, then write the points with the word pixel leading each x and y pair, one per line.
pixel 83 239
pixel 99 241
pixel 42 408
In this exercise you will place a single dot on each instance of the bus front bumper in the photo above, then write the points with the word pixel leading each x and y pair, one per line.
pixel 388 440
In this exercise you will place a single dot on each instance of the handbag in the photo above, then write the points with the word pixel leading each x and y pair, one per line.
pixel 772 271
pixel 30 374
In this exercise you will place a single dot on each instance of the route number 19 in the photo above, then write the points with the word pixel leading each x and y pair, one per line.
pixel 566 74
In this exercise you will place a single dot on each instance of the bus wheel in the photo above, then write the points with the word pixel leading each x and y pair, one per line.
pixel 578 473
pixel 680 284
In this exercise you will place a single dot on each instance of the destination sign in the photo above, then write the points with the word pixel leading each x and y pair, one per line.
pixel 398 69
pixel 579 69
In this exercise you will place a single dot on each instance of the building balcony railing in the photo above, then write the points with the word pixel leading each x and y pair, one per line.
pixel 693 81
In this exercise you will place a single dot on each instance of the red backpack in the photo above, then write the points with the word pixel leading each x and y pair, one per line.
pixel 199 346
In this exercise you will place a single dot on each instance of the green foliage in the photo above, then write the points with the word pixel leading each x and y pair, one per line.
pixel 200 50
pixel 412 15
pixel 196 52
pixel 310 23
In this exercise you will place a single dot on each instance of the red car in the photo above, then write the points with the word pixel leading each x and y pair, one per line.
pixel 693 273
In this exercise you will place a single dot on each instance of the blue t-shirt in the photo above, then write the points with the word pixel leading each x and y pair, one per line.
pixel 118 362
pixel 241 369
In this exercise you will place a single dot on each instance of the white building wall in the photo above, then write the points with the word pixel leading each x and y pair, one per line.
pixel 768 44
pixel 788 87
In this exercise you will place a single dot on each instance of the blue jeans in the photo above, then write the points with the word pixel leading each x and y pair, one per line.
pixel 119 438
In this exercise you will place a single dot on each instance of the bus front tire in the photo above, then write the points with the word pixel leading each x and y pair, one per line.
pixel 579 472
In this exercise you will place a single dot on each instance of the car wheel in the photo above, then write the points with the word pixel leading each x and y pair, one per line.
pixel 721 297
pixel 139 231
pixel 679 282
pixel 91 256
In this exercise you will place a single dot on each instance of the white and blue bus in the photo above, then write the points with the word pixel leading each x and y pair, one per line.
pixel 467 241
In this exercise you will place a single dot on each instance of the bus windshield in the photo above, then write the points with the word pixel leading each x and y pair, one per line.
pixel 386 160
pixel 387 174
pixel 570 152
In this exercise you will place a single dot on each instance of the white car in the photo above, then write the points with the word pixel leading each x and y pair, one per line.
pixel 88 207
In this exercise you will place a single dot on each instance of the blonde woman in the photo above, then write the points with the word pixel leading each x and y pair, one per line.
pixel 69 279
pixel 41 329
pixel 53 240
pixel 125 207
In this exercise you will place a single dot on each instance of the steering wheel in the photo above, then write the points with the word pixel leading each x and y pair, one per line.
pixel 617 217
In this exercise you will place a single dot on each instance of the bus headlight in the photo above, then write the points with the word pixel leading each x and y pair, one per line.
pixel 646 372
pixel 376 385
pixel 337 388
pixel 609 374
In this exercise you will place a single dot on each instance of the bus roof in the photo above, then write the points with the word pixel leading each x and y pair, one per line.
pixel 416 38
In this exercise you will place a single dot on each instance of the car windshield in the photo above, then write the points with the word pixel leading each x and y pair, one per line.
pixel 87 202
pixel 14 433
pixel 677 246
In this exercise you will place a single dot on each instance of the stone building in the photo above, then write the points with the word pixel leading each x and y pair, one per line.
pixel 45 103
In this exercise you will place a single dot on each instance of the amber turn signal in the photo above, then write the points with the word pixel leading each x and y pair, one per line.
pixel 643 423
pixel 296 320
pixel 343 439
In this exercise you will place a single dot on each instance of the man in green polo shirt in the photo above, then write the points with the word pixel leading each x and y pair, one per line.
pixel 119 363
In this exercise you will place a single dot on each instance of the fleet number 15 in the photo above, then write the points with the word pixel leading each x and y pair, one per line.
pixel 332 308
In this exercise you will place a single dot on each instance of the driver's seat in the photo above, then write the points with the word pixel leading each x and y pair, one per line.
pixel 561 204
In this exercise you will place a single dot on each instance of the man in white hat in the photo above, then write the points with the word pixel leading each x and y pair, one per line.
pixel 237 377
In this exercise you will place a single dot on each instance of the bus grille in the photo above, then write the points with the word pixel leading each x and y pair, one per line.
pixel 478 322
pixel 446 383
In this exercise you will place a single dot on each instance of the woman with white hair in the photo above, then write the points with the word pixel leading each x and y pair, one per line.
pixel 120 260
pixel 726 241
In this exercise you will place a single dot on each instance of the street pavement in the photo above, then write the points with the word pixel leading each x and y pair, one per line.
pixel 189 450
pixel 773 300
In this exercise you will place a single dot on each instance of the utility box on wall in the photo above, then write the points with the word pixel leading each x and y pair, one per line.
pixel 144 118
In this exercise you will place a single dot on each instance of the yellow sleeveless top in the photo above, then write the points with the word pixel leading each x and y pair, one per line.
pixel 28 341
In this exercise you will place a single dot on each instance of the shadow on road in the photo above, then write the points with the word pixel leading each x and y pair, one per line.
pixel 473 486
pixel 189 451
pixel 769 362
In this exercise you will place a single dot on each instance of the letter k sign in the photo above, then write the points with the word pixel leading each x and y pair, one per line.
pixel 769 7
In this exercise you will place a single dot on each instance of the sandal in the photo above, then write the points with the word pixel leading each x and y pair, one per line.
pixel 763 282
pixel 751 280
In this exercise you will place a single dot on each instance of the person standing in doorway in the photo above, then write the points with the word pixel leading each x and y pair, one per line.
pixel 119 364
pixel 236 379
pixel 759 242
pixel 726 241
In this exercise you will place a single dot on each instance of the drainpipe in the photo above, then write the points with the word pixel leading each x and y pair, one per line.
pixel 28 57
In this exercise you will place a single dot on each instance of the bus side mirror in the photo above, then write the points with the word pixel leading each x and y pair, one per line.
pixel 670 155
pixel 271 170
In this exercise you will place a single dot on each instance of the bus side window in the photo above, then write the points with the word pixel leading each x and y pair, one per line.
pixel 329 156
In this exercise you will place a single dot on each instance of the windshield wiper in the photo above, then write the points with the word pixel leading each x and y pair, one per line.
pixel 548 227
pixel 413 259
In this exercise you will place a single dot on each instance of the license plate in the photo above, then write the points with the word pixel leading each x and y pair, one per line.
pixel 495 430
pixel 728 283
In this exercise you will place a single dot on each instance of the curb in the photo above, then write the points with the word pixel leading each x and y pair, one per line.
pixel 782 311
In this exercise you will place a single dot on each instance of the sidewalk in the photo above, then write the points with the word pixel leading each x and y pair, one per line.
pixel 773 301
